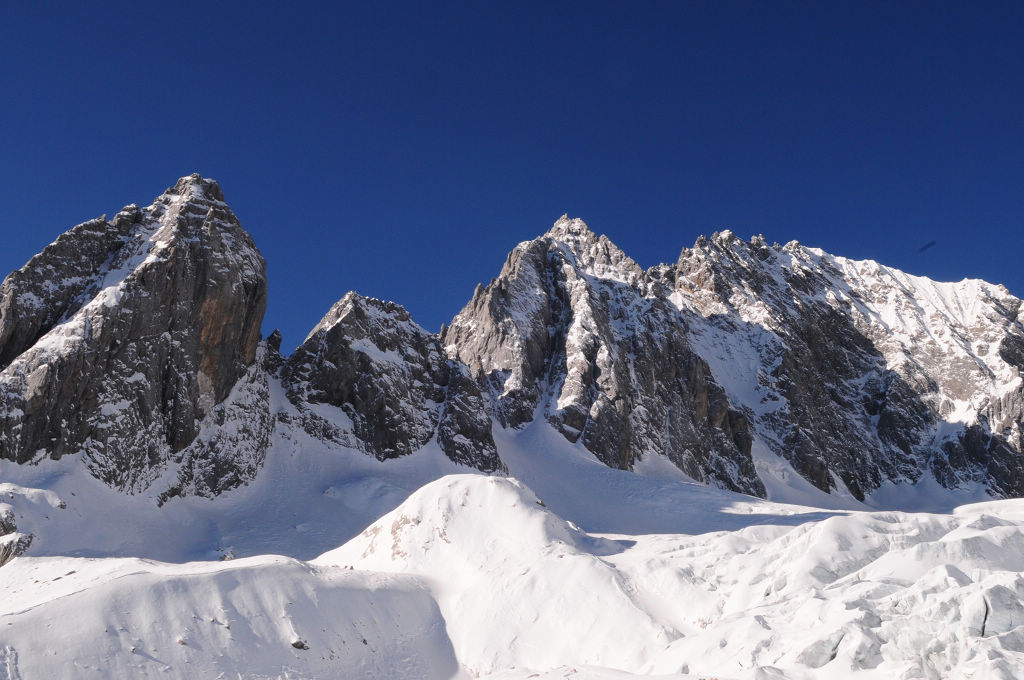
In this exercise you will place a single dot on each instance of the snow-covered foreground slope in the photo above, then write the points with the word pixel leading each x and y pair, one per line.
pixel 263 617
pixel 861 595
pixel 476 576
pixel 567 568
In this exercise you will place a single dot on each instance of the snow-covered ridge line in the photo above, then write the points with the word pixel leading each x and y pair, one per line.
pixel 932 370
pixel 923 378
pixel 746 366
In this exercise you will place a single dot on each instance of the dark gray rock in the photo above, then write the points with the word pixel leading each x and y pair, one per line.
pixel 510 347
pixel 576 328
pixel 274 341
pixel 13 545
pixel 51 286
pixel 860 374
pixel 390 380
pixel 12 542
pixel 233 440
pixel 464 427
pixel 141 327
pixel 368 358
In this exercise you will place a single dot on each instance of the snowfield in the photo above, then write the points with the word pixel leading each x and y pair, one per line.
pixel 429 573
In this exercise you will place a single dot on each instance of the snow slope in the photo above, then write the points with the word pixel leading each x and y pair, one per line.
pixel 473 576
pixel 264 617
pixel 601 574
pixel 860 595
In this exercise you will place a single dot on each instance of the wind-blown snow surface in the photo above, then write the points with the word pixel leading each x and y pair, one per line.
pixel 602 574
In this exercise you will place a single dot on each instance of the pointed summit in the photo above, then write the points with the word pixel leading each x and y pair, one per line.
pixel 156 319
pixel 394 383
pixel 570 227
pixel 368 309
pixel 568 331
pixel 594 254
pixel 195 186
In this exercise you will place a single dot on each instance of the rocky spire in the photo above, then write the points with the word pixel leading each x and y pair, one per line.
pixel 122 336
pixel 567 330
pixel 391 380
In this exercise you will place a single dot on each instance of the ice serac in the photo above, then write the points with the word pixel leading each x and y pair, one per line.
pixel 858 374
pixel 391 386
pixel 574 327
pixel 123 337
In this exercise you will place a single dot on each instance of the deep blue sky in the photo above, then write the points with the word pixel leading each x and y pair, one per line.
pixel 402 150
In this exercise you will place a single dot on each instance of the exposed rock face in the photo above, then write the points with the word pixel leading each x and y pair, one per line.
pixel 135 341
pixel 233 440
pixel 856 373
pixel 574 326
pixel 121 337
pixel 12 542
pixel 50 287
pixel 464 427
pixel 390 383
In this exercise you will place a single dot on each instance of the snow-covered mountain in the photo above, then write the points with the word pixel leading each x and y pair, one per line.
pixel 857 374
pixel 123 336
pixel 744 355
pixel 575 331
pixel 134 343
pixel 612 419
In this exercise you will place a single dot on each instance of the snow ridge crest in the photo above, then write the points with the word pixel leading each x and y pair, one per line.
pixel 741 362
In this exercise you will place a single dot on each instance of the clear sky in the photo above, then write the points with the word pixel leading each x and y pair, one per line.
pixel 401 149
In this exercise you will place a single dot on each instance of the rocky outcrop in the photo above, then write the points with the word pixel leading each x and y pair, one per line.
pixel 12 542
pixel 135 342
pixel 50 287
pixel 858 374
pixel 464 426
pixel 576 329
pixel 390 385
pixel 123 336
pixel 233 439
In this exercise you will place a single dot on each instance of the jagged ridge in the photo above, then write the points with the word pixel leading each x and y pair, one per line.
pixel 576 328
pixel 860 374
pixel 135 341
pixel 393 385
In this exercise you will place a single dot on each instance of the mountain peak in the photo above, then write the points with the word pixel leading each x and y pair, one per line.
pixel 150 337
pixel 725 239
pixel 195 186
pixel 593 253
pixel 368 307
pixel 572 227
pixel 724 236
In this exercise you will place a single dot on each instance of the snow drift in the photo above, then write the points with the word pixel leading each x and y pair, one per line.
pixel 473 576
